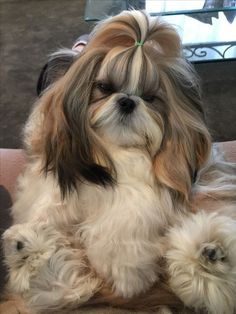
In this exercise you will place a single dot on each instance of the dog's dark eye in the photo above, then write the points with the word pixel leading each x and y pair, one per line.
pixel 19 245
pixel 149 98
pixel 105 88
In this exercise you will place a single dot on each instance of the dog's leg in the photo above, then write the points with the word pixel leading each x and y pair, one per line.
pixel 129 268
pixel 202 262
pixel 130 281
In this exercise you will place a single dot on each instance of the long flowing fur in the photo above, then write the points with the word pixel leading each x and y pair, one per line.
pixel 118 149
pixel 48 268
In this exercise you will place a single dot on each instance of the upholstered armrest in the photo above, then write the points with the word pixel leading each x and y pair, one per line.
pixel 229 150
pixel 11 164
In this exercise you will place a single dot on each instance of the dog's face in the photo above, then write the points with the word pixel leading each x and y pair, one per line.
pixel 126 108
pixel 130 87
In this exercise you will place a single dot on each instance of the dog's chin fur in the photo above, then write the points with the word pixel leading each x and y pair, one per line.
pixel 118 150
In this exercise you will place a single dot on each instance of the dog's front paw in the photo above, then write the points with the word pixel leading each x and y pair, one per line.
pixel 27 248
pixel 202 262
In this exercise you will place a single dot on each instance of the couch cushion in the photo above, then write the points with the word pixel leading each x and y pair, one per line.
pixel 11 164
pixel 229 150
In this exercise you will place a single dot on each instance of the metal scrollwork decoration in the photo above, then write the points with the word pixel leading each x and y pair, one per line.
pixel 201 51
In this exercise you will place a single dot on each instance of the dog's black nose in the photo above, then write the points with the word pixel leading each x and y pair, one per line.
pixel 127 105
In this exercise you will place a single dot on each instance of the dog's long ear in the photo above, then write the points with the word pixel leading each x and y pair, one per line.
pixel 187 143
pixel 65 141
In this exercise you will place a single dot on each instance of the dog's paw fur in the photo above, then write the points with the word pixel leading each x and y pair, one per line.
pixel 213 253
pixel 27 248
pixel 202 262
pixel 129 281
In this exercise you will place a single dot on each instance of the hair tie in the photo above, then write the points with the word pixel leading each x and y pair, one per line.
pixel 139 43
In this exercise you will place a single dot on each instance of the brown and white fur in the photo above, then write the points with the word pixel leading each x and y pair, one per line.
pixel 118 149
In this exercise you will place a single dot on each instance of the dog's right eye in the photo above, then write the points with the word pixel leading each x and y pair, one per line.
pixel 19 245
pixel 149 98
pixel 105 88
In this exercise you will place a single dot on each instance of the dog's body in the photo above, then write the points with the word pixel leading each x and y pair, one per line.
pixel 127 254
pixel 118 151
pixel 120 227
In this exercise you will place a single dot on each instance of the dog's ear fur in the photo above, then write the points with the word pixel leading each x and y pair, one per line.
pixel 69 147
pixel 187 143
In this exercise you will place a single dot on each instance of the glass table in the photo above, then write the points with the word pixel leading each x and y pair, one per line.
pixel 207 27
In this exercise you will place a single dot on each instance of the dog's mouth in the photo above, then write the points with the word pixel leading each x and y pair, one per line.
pixel 126 119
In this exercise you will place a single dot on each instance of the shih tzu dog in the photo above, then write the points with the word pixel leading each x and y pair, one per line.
pixel 119 152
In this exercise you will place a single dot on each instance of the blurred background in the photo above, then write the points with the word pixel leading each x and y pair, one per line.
pixel 32 29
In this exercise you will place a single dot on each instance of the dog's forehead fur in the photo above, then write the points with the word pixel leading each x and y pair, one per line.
pixel 130 71
pixel 131 67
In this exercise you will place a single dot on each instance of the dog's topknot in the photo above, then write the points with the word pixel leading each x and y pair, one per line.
pixel 130 27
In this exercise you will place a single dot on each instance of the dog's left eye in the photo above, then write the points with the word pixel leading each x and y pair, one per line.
pixel 149 98
pixel 105 88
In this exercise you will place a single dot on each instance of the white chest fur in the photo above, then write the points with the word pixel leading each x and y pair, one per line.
pixel 121 225
pixel 134 200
